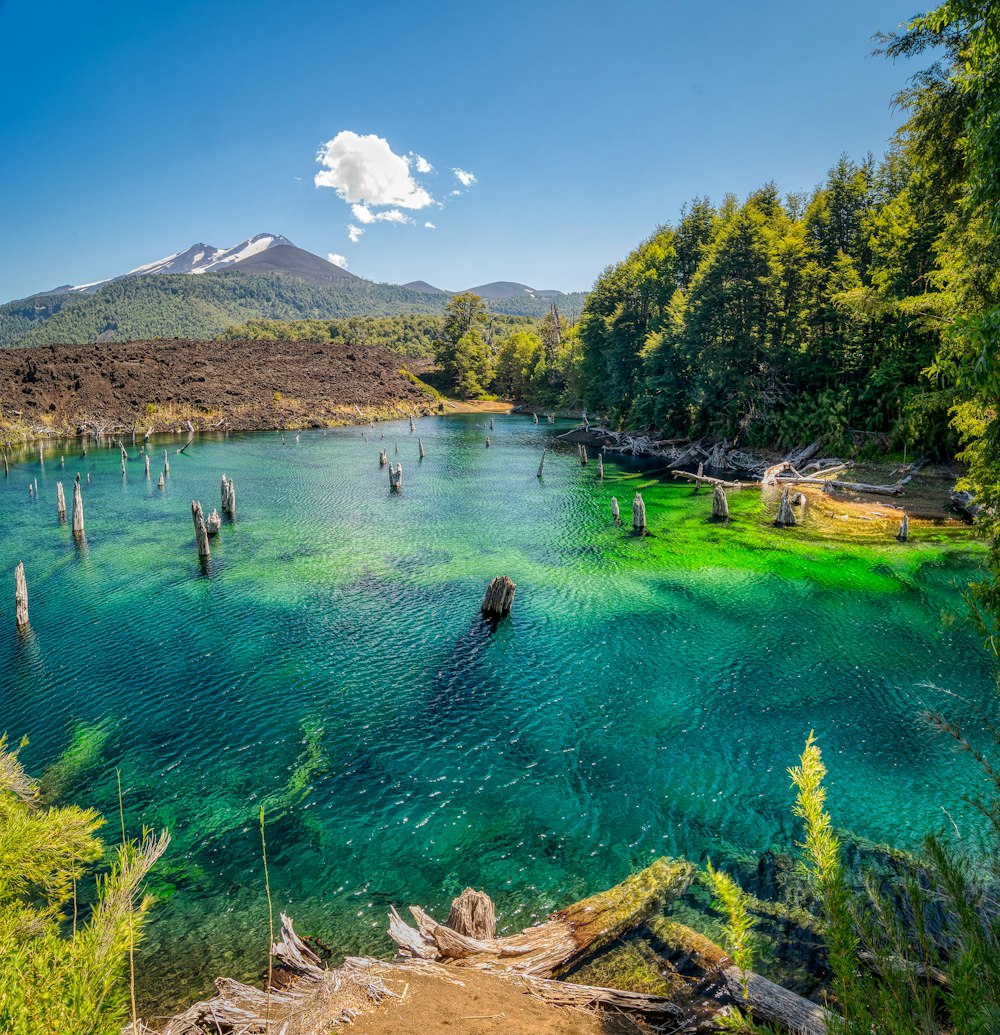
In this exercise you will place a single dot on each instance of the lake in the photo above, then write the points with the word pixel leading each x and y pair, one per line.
pixel 645 697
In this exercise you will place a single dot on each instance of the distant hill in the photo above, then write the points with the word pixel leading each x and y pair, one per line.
pixel 202 290
pixel 424 288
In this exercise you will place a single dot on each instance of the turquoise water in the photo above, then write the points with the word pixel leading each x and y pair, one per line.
pixel 645 697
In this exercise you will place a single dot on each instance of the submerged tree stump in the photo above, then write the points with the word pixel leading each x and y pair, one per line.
pixel 786 516
pixel 541 465
pixel 160 483
pixel 20 596
pixel 228 498
pixel 77 509
pixel 60 502
pixel 396 478
pixel 701 474
pixel 639 515
pixel 412 428
pixel 213 523
pixel 147 465
pixel 488 443
pixel 499 597
pixel 904 528
pixel 720 504
pixel 491 423
pixel 583 455
pixel 615 510
pixel 200 531
pixel 166 464
pixel 382 458
pixel 420 445
pixel 535 417
pixel 600 467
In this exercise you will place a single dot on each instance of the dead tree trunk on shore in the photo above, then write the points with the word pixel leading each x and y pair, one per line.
pixel 473 915
pixel 720 504
pixel 786 516
pixel 20 596
pixel 77 509
pixel 638 515
pixel 541 465
pixel 60 502
pixel 200 531
pixel 499 597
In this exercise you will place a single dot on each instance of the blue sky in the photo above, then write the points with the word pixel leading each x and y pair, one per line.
pixel 131 130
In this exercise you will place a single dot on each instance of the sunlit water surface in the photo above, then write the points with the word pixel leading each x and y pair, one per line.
pixel 645 697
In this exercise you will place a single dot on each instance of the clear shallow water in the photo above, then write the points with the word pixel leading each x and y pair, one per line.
pixel 645 697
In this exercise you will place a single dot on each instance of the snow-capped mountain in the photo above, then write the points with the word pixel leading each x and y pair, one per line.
pixel 249 255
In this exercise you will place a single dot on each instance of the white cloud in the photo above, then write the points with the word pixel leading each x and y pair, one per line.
pixel 430 226
pixel 466 179
pixel 455 193
pixel 363 214
pixel 337 260
pixel 423 166
pixel 354 232
pixel 365 169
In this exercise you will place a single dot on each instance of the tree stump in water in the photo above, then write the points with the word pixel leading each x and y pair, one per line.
pixel 541 465
pixel 228 498
pixel 535 416
pixel 786 517
pixel 491 423
pixel 60 502
pixel 473 915
pixel 200 531
pixel 159 484
pixel 600 467
pixel 488 443
pixel 720 504
pixel 382 458
pixel 213 523
pixel 20 596
pixel 396 478
pixel 147 465
pixel 166 464
pixel 77 509
pixel 62 461
pixel 420 444
pixel 6 466
pixel 412 428
pixel 638 515
pixel 615 511
pixel 697 485
pixel 499 597
pixel 904 528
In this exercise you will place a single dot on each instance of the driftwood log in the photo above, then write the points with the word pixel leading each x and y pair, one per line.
pixel 704 479
pixel 552 947
pixel 766 1001
pixel 20 596
pixel 499 597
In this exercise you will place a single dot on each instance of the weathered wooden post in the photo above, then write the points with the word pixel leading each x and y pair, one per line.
pixel 904 528
pixel 638 515
pixel 147 466
pixel 77 509
pixel 541 465
pixel 786 516
pixel 420 443
pixel 583 455
pixel 200 531
pixel 159 484
pixel 60 502
pixel 499 597
pixel 600 466
pixel 382 458
pixel 615 511
pixel 720 504
pixel 20 596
